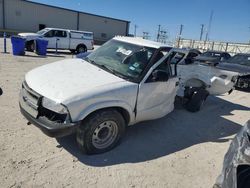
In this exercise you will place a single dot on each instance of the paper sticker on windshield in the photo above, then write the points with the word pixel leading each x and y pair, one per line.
pixel 248 59
pixel 124 51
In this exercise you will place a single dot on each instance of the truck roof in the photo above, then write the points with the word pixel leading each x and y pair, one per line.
pixel 140 42
pixel 77 31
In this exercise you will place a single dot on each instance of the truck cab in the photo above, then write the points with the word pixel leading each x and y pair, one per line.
pixel 75 41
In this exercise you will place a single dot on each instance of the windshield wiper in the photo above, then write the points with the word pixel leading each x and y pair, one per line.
pixel 112 71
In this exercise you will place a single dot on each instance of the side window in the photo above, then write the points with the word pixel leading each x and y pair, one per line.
pixel 190 58
pixel 49 34
pixel 164 70
pixel 60 33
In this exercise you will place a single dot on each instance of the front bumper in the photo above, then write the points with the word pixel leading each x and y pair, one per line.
pixel 50 128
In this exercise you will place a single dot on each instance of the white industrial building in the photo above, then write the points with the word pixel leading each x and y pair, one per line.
pixel 26 16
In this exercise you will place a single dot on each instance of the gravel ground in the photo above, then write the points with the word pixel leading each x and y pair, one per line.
pixel 180 150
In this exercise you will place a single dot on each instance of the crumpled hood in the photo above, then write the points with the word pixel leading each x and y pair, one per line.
pixel 68 79
pixel 242 69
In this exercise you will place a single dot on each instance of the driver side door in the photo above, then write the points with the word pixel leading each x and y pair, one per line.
pixel 156 98
pixel 50 37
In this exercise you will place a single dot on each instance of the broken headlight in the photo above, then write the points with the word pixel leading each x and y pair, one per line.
pixel 54 106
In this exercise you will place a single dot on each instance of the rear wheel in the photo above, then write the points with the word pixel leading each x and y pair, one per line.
pixel 81 49
pixel 197 100
pixel 101 132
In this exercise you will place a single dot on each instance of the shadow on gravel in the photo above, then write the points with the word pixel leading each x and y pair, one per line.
pixel 177 131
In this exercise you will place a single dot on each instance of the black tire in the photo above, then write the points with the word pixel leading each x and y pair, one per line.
pixel 197 100
pixel 81 49
pixel 30 46
pixel 87 131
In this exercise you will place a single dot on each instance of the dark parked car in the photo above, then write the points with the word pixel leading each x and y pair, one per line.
pixel 239 63
pixel 236 166
pixel 213 56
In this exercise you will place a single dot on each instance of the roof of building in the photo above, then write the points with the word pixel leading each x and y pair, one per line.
pixel 29 1
pixel 140 42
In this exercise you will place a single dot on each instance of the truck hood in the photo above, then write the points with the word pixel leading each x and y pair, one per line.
pixel 28 34
pixel 72 79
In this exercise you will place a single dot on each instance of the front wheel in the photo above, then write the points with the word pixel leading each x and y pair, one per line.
pixel 101 132
pixel 197 100
pixel 30 46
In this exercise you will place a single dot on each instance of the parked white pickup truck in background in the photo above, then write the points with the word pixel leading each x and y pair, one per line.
pixel 125 81
pixel 75 41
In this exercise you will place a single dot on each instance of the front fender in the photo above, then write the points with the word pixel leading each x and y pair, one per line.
pixel 101 105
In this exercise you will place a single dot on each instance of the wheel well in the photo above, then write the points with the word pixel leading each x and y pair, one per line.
pixel 193 82
pixel 122 111
pixel 30 42
pixel 79 45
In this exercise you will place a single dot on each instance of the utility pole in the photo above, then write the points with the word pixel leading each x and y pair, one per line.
pixel 209 25
pixel 158 35
pixel 179 37
pixel 135 30
pixel 202 30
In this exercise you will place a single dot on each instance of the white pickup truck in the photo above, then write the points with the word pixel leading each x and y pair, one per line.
pixel 75 41
pixel 125 81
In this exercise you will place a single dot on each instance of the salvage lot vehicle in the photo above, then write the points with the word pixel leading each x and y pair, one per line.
pixel 75 41
pixel 239 63
pixel 200 79
pixel 125 81
pixel 236 166
pixel 213 56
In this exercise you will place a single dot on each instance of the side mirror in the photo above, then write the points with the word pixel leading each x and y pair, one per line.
pixel 160 76
pixel 1 91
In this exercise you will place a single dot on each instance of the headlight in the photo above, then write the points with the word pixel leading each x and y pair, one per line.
pixel 53 106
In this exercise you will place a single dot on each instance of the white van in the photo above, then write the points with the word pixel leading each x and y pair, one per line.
pixel 75 41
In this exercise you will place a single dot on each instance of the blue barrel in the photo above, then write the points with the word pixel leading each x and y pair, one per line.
pixel 41 46
pixel 18 45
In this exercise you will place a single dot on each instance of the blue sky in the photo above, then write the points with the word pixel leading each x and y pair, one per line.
pixel 231 19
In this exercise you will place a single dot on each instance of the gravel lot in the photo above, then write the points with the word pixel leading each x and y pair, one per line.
pixel 180 150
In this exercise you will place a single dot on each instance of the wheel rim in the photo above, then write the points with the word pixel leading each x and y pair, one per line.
pixel 105 134
pixel 81 49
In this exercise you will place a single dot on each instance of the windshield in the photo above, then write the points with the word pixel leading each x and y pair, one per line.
pixel 242 59
pixel 122 59
pixel 41 32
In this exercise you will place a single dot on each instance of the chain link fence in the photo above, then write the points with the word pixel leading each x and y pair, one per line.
pixel 232 48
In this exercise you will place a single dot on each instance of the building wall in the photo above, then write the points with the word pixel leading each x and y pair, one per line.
pixel 24 16
pixel 1 13
pixel 103 28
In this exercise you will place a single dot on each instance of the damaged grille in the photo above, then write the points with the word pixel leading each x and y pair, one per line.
pixel 31 99
pixel 32 103
pixel 243 82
